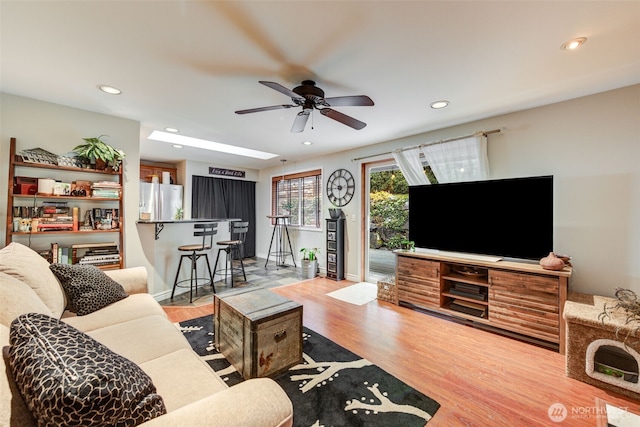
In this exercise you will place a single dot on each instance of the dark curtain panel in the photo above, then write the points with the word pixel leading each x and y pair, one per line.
pixel 226 198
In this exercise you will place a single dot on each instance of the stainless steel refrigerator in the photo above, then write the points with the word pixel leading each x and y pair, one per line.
pixel 160 201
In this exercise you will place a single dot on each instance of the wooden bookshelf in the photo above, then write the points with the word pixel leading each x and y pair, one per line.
pixel 42 240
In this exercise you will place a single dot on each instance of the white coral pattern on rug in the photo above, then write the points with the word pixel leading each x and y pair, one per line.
pixel 328 371
pixel 385 405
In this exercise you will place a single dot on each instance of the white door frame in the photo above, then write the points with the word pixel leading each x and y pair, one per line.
pixel 365 214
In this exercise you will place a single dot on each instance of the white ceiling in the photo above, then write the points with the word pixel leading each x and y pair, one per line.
pixel 191 64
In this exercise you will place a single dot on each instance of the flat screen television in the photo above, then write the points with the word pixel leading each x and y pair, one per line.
pixel 510 218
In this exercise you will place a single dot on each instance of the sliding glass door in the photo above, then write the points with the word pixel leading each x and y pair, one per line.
pixel 386 218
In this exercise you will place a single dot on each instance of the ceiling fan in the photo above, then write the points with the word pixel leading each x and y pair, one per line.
pixel 310 97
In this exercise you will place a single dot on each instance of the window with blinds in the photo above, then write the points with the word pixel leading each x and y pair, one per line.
pixel 298 195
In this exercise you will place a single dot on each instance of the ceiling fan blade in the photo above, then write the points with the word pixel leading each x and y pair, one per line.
pixel 301 120
pixel 282 89
pixel 342 118
pixel 349 101
pixel 257 110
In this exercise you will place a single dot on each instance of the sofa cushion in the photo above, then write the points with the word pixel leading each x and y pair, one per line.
pixel 68 378
pixel 88 288
pixel 143 339
pixel 135 306
pixel 27 265
pixel 18 298
pixel 182 377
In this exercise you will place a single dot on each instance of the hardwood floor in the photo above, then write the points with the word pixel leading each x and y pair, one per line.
pixel 479 378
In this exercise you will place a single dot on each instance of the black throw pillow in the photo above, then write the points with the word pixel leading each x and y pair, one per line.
pixel 69 379
pixel 87 287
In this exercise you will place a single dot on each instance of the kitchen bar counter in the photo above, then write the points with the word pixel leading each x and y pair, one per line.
pixel 159 223
pixel 161 251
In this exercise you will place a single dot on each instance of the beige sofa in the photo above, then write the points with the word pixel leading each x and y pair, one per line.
pixel 137 328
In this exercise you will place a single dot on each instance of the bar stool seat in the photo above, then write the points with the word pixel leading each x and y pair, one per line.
pixel 197 251
pixel 234 249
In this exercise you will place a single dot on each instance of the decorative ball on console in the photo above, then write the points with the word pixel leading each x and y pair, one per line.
pixel 553 262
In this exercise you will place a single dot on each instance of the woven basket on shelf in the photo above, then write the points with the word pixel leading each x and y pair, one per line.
pixel 387 290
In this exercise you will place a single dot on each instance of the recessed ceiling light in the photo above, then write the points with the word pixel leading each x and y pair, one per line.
pixel 307 143
pixel 176 146
pixel 439 104
pixel 109 89
pixel 172 130
pixel 574 43
pixel 204 144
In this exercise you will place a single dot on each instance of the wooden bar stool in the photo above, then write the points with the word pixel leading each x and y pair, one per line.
pixel 206 230
pixel 233 249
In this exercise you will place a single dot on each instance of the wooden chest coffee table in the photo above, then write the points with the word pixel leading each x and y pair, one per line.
pixel 258 331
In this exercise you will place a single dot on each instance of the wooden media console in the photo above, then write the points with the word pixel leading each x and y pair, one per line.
pixel 518 299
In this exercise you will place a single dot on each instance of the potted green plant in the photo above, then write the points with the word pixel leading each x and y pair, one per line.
pixel 309 262
pixel 98 151
pixel 408 245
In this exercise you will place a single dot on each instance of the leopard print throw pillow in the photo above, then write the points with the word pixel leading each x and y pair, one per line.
pixel 69 379
pixel 88 289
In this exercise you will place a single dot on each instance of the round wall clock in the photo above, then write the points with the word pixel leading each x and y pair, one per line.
pixel 340 187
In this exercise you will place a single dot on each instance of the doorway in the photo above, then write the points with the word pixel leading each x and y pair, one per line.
pixel 386 218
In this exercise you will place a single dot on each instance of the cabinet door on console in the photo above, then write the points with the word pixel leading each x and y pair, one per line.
pixel 525 303
pixel 418 281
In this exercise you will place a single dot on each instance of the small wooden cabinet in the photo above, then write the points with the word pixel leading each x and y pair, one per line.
pixel 147 171
pixel 518 298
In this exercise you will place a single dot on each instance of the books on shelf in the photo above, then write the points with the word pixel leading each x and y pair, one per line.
pixel 94 245
pixel 98 254
pixel 106 194
pixel 54 226
pixel 106 189
pixel 97 262
pixel 106 184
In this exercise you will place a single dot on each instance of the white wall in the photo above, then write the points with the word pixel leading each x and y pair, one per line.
pixel 592 147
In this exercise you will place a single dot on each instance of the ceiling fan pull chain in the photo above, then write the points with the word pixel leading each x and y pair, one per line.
pixel 312 120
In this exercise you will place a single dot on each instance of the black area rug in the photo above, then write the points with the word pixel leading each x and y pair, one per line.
pixel 332 387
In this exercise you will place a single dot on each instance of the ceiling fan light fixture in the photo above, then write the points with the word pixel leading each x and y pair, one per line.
pixel 110 89
pixel 574 44
pixel 437 105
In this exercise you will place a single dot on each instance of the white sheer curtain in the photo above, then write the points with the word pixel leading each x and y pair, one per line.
pixel 411 166
pixel 460 160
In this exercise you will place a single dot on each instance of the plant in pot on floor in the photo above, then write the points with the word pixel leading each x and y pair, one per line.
pixel 309 262
pixel 98 151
